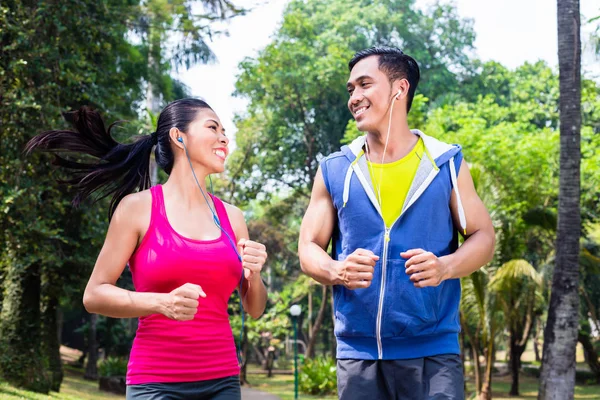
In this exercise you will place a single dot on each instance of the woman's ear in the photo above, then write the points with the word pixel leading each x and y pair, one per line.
pixel 175 136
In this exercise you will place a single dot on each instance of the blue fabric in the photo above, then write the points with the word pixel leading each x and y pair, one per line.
pixel 415 322
pixel 428 378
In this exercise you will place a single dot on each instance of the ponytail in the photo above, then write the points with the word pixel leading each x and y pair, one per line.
pixel 119 170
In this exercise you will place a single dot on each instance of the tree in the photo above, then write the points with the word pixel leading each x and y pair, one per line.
pixel 56 56
pixel 557 380
pixel 296 86
pixel 590 299
pixel 510 140
pixel 517 286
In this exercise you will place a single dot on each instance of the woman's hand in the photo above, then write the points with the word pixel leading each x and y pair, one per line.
pixel 182 303
pixel 254 255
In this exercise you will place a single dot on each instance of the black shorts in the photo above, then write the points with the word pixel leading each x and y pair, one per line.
pixel 215 389
pixel 430 378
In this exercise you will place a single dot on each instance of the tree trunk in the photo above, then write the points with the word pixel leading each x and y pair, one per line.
pixel 476 366
pixel 21 361
pixel 518 343
pixel 557 380
pixel 591 354
pixel 60 318
pixel 591 308
pixel 516 351
pixel 474 341
pixel 50 332
pixel 310 349
pixel 326 337
pixel 2 274
pixel 260 355
pixel 486 387
pixel 91 369
pixel 270 359
pixel 536 342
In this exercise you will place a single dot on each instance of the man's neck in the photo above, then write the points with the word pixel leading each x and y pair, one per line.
pixel 400 143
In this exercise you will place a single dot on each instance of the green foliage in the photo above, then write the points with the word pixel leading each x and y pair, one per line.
pixel 296 86
pixel 514 141
pixel 518 289
pixel 113 366
pixel 318 376
pixel 56 56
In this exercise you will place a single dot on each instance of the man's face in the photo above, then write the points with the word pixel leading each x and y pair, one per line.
pixel 370 94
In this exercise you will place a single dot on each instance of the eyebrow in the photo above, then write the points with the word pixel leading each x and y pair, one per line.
pixel 218 125
pixel 360 78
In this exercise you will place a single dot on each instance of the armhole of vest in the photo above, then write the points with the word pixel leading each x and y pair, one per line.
pixel 458 157
pixel 324 171
pixel 325 175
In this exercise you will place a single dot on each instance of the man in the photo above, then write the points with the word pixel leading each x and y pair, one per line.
pixel 392 202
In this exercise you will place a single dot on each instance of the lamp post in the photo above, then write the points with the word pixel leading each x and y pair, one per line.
pixel 295 311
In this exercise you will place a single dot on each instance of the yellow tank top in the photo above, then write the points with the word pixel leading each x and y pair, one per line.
pixel 394 180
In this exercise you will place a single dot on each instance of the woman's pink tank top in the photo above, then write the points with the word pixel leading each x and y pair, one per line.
pixel 165 350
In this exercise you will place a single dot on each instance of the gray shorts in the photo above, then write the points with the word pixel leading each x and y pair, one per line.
pixel 215 389
pixel 430 378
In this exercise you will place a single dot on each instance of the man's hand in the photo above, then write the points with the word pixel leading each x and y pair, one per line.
pixel 356 271
pixel 424 268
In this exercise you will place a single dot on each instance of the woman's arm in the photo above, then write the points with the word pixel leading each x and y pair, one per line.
pixel 254 255
pixel 103 297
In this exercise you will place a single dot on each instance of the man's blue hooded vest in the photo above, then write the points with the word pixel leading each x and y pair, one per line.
pixel 392 319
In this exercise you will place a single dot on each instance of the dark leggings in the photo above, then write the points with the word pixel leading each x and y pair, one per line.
pixel 215 389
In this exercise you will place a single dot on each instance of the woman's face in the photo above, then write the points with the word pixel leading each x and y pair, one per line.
pixel 206 141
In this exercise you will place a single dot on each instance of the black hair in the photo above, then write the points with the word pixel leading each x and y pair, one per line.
pixel 395 64
pixel 120 169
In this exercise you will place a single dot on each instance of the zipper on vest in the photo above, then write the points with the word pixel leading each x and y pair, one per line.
pixel 386 240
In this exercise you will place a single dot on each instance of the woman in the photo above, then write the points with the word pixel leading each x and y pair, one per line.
pixel 180 244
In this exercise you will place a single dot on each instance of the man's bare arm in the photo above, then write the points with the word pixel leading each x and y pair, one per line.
pixel 315 233
pixel 425 269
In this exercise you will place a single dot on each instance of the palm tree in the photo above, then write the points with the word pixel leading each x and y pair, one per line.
pixel 557 380
pixel 480 324
pixel 517 286
pixel 480 316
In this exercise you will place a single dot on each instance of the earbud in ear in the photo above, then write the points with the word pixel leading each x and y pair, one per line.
pixel 180 139
pixel 398 95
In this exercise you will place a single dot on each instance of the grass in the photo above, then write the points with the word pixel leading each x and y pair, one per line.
pixel 528 389
pixel 283 386
pixel 74 387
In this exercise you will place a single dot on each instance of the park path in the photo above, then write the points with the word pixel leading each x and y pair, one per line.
pixel 253 394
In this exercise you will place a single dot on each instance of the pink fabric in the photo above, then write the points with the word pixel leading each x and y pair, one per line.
pixel 165 350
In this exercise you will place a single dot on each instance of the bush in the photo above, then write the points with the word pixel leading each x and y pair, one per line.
pixel 284 362
pixel 318 376
pixel 113 366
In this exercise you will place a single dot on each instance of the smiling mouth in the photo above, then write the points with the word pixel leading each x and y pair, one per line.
pixel 220 153
pixel 360 110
